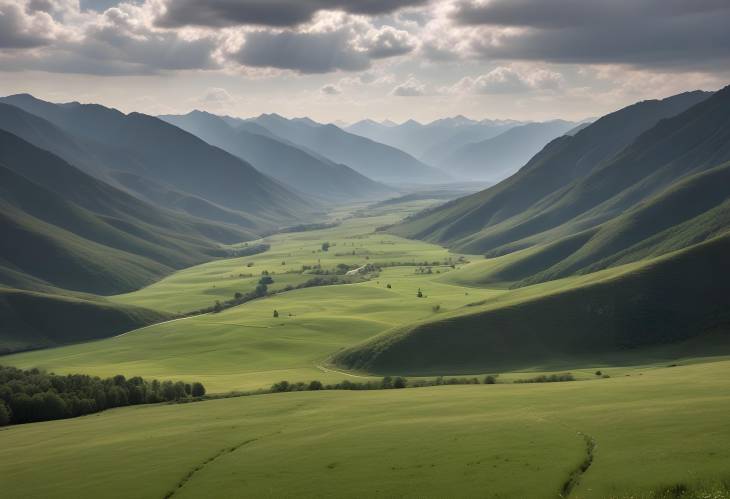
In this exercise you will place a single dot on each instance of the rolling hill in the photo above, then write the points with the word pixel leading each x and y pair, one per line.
pixel 377 161
pixel 499 157
pixel 677 298
pixel 295 167
pixel 194 176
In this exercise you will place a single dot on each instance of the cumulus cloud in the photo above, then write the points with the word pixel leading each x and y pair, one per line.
pixel 657 33
pixel 410 88
pixel 20 29
pixel 508 80
pixel 275 13
pixel 389 42
pixel 117 41
pixel 307 52
pixel 330 89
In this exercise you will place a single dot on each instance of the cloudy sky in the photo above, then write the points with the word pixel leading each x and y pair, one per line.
pixel 351 59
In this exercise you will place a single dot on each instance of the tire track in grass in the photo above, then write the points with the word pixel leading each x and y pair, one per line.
pixel 577 473
pixel 205 463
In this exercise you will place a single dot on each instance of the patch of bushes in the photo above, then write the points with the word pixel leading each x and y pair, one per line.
pixel 543 378
pixel 34 395
pixel 250 250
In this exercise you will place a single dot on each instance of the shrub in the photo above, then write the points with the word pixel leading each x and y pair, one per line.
pixel 281 386
pixel 325 246
pixel 490 380
pixel 276 313
pixel 598 373
pixel 198 390
pixel 400 382
pixel 315 385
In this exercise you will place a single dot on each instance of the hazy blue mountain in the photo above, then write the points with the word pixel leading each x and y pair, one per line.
pixel 497 158
pixel 377 161
pixel 433 141
pixel 300 170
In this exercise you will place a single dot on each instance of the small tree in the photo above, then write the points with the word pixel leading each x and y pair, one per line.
pixel 198 390
pixel 598 373
pixel 315 385
pixel 217 307
pixel 419 294
pixel 237 295
pixel 388 286
pixel 400 382
pixel 276 313
pixel 490 380
pixel 387 382
pixel 325 246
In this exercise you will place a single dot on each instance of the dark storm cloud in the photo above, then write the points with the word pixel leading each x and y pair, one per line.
pixel 304 52
pixel 661 33
pixel 276 13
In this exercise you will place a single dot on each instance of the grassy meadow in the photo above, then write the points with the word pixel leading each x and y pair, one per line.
pixel 654 432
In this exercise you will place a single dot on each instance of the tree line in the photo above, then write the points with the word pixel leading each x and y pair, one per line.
pixel 33 395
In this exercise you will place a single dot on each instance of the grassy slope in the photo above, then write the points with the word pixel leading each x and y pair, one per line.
pixel 466 441
pixel 565 159
pixel 677 297
pixel 114 242
pixel 33 320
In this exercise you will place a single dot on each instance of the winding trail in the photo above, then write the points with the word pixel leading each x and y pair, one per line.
pixel 205 463
pixel 576 474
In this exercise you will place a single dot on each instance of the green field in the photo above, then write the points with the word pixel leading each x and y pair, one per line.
pixel 656 429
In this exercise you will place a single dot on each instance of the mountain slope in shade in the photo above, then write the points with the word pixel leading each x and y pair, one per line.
pixel 374 160
pixel 499 157
pixel 37 320
pixel 431 142
pixel 184 164
pixel 489 219
pixel 293 166
pixel 66 229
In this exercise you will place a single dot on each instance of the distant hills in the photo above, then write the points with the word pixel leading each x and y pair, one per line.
pixel 373 159
pixel 297 168
pixel 498 157
pixel 621 230
pixel 431 142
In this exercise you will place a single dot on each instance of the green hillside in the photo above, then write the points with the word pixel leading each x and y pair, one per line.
pixel 37 320
pixel 62 219
pixel 483 221
pixel 680 297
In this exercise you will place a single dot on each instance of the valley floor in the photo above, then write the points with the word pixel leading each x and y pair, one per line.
pixel 644 430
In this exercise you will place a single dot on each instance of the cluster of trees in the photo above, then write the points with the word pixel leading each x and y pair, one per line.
pixel 33 395
pixel 543 378
pixel 386 383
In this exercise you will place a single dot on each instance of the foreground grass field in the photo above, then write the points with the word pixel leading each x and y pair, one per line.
pixel 654 431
